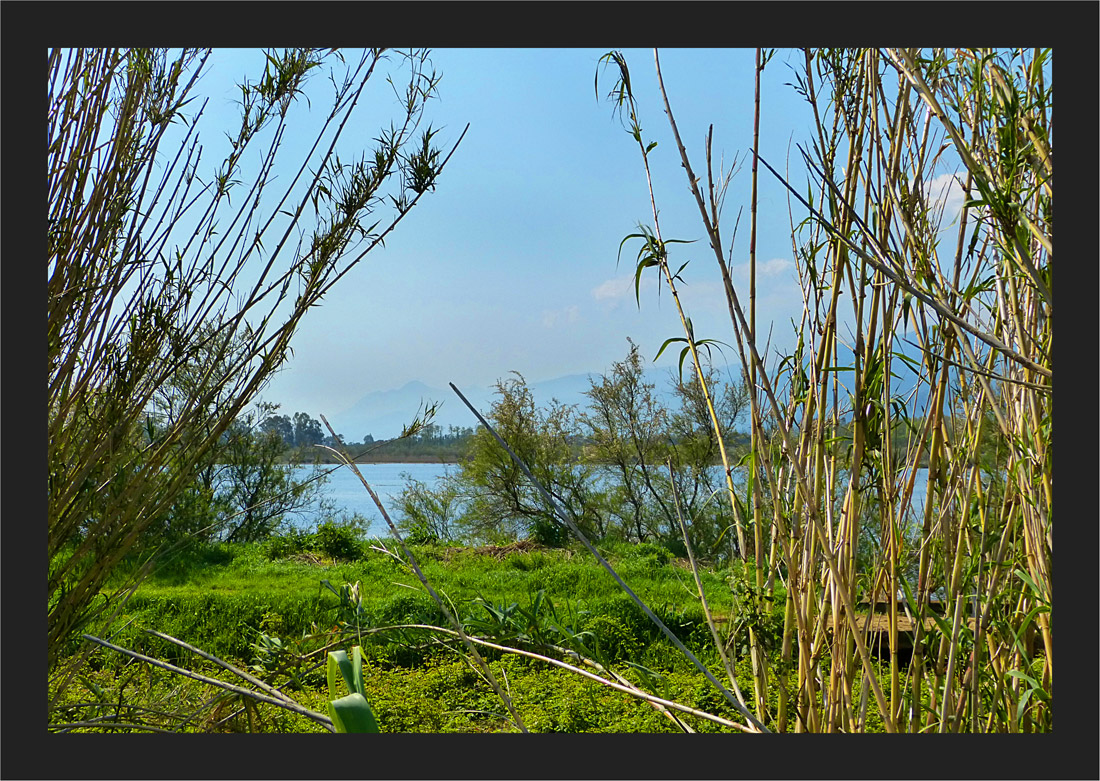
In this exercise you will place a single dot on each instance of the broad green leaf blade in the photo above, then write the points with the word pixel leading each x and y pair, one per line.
pixel 340 659
pixel 332 671
pixel 1038 592
pixel 1022 705
pixel 352 714
pixel 1024 677
pixel 944 627
pixel 624 241
pixel 357 670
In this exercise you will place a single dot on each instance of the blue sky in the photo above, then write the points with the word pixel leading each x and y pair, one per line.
pixel 511 263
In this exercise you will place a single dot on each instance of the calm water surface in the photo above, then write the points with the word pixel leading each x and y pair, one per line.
pixel 347 493
pixel 344 490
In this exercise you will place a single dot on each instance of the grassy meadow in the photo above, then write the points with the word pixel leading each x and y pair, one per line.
pixel 239 602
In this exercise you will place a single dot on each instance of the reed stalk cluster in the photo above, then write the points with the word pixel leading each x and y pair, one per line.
pixel 173 290
pixel 836 449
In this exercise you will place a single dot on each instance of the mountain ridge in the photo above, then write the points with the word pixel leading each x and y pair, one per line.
pixel 384 413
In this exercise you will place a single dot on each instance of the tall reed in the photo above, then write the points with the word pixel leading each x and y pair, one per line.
pixel 969 324
pixel 169 307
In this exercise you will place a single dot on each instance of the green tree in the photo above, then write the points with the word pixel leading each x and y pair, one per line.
pixel 431 513
pixel 281 425
pixel 154 261
pixel 243 491
pixel 628 427
pixel 654 458
pixel 307 431
pixel 502 500
pixel 261 491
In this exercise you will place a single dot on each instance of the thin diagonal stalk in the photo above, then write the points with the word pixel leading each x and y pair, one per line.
pixel 279 702
pixel 551 503
pixel 342 455
pixel 224 664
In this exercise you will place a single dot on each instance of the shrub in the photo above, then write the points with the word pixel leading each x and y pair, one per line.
pixel 627 614
pixel 225 625
pixel 409 608
pixel 674 546
pixel 613 639
pixel 285 545
pixel 338 540
pixel 528 562
pixel 548 533
pixel 187 560
pixel 430 514
pixel 650 550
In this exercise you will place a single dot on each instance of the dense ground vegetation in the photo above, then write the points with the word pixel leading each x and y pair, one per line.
pixel 263 607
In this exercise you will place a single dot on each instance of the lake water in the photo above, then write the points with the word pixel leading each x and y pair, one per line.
pixel 346 492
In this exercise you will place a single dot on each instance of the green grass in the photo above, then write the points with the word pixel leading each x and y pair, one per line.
pixel 222 597
pixel 220 593
pixel 442 694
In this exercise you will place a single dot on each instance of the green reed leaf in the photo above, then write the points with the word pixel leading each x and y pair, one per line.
pixel 352 714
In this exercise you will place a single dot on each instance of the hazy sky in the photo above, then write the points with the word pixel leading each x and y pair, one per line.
pixel 511 263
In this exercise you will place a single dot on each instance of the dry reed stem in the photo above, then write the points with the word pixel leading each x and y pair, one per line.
pixel 280 702
pixel 518 720
pixel 550 502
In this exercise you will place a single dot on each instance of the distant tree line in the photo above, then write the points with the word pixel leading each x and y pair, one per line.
pixel 300 435
pixel 296 431
pixel 431 444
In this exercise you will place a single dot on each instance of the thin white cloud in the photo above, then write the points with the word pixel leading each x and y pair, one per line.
pixel 552 317
pixel 769 268
pixel 776 266
pixel 615 290
pixel 946 191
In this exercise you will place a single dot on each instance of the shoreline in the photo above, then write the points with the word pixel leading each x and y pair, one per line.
pixel 390 460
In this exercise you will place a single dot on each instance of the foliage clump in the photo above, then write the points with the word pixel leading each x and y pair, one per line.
pixel 173 291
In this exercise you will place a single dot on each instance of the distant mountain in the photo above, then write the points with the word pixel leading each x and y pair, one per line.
pixel 382 414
